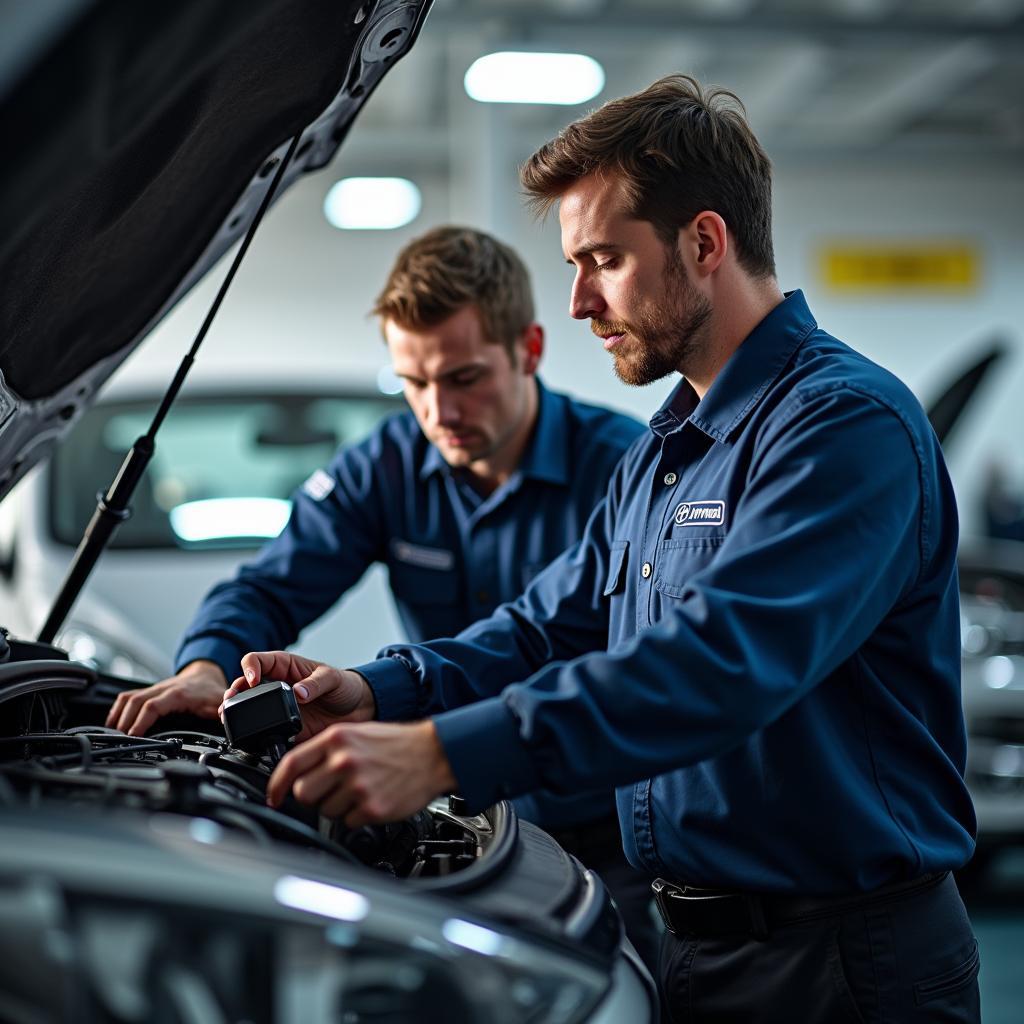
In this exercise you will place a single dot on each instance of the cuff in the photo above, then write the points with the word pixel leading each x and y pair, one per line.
pixel 394 689
pixel 486 754
pixel 212 648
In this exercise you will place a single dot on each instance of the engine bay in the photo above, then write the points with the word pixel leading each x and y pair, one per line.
pixel 150 878
pixel 53 751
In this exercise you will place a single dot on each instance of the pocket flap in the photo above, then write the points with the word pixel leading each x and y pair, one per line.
pixel 617 562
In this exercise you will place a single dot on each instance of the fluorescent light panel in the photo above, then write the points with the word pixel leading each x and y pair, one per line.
pixel 372 204
pixel 513 77
pixel 388 382
pixel 217 518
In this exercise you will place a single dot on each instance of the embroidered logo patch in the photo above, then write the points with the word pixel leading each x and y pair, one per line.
pixel 700 513
pixel 426 558
pixel 319 485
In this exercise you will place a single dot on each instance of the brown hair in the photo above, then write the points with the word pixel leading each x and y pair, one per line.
pixel 679 150
pixel 448 268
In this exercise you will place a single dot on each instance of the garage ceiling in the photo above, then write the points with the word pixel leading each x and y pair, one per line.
pixel 874 78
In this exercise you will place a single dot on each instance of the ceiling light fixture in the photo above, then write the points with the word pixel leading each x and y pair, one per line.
pixel 513 77
pixel 223 518
pixel 372 204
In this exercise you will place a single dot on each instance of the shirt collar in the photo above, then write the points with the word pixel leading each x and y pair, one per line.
pixel 748 374
pixel 547 453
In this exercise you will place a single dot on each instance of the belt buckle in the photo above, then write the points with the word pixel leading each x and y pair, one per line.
pixel 663 890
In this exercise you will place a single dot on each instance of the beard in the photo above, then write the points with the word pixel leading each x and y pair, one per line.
pixel 668 335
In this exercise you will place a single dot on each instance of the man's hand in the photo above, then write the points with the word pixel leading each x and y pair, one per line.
pixel 325 695
pixel 197 689
pixel 365 773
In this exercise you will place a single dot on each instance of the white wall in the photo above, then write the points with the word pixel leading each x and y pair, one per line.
pixel 926 340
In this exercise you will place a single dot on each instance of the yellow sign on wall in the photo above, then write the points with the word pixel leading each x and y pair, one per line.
pixel 888 266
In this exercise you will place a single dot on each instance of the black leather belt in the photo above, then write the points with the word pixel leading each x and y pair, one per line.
pixel 689 911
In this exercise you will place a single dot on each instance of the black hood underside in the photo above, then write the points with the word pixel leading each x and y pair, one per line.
pixel 141 139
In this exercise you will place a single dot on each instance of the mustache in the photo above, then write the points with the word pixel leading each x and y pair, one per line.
pixel 605 328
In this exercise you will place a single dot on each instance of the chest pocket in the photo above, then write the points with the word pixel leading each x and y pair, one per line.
pixel 423 576
pixel 679 560
pixel 618 562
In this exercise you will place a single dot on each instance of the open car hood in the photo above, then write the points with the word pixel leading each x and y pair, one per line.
pixel 142 138
pixel 946 410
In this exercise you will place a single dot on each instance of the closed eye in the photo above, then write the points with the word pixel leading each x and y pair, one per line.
pixel 464 380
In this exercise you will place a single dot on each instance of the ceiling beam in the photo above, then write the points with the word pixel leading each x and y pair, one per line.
pixel 540 20
pixel 782 84
pixel 881 107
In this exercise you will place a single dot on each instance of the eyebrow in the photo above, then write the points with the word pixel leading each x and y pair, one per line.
pixel 586 250
pixel 454 372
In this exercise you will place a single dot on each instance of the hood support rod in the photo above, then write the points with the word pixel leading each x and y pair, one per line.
pixel 113 508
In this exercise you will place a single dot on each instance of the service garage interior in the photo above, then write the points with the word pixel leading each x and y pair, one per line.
pixel 896 138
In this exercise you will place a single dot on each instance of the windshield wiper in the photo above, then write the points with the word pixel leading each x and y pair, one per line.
pixel 113 507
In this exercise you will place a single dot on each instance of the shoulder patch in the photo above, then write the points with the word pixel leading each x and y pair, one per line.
pixel 319 485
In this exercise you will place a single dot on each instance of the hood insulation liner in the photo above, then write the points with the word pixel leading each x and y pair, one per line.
pixel 128 145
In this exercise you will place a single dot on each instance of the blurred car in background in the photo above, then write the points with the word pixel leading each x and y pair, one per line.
pixel 992 638
pixel 991 605
pixel 226 462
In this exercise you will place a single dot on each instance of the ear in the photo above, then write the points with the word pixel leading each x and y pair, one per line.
pixel 533 347
pixel 705 243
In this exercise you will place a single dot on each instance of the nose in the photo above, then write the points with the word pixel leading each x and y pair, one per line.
pixel 585 301
pixel 442 406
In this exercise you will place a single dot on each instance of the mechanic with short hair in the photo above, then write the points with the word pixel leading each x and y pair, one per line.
pixel 465 499
pixel 757 639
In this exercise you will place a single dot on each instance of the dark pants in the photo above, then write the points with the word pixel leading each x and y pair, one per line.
pixel 598 846
pixel 900 960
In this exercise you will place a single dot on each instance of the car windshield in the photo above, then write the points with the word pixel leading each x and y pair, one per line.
pixel 224 467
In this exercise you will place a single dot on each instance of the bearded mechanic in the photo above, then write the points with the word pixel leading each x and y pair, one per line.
pixel 464 498
pixel 757 638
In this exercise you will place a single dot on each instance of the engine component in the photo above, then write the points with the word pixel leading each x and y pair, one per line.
pixel 262 719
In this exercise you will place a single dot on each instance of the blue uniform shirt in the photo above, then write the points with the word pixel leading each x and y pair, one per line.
pixel 757 638
pixel 452 555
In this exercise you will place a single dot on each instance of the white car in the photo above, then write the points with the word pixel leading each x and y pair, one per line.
pixel 227 459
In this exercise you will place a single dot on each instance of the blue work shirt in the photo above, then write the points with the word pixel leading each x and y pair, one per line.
pixel 452 554
pixel 757 638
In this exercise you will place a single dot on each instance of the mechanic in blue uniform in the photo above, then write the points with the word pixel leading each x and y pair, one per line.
pixel 757 638
pixel 465 499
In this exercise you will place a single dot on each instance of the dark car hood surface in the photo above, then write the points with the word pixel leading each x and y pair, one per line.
pixel 141 139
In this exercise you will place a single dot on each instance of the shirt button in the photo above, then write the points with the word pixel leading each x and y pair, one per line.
pixel 645 570
pixel 670 479
pixel 482 596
